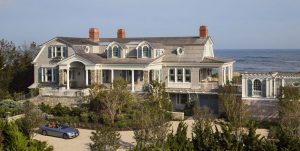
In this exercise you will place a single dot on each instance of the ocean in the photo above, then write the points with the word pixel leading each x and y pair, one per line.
pixel 284 60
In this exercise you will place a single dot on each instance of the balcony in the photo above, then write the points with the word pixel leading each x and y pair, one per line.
pixel 211 86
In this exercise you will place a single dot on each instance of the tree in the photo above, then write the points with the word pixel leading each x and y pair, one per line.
pixel 110 101
pixel 159 95
pixel 15 140
pixel 152 126
pixel 179 141
pixel 234 108
pixel 289 113
pixel 105 139
pixel 16 69
pixel 33 118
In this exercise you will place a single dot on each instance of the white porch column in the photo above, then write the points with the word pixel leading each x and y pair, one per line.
pixel 267 88
pixel 275 91
pixel 86 77
pixel 132 80
pixel 68 79
pixel 220 74
pixel 244 86
pixel 282 82
pixel 42 78
pixel 112 75
pixel 230 73
pixel 224 75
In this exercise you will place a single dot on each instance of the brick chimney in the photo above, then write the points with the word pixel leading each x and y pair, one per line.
pixel 121 33
pixel 203 31
pixel 94 34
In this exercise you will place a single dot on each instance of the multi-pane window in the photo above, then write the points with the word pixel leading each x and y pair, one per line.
pixel 48 74
pixel 257 88
pixel 116 51
pixel 172 75
pixel 57 51
pixel 179 75
pixel 187 75
pixel 146 51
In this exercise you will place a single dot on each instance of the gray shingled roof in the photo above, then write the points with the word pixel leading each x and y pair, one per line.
pixel 177 41
pixel 216 60
pixel 191 45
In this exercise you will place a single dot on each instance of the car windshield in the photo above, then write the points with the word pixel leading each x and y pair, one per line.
pixel 63 126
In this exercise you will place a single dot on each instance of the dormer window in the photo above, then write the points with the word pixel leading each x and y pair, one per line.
pixel 180 51
pixel 146 51
pixel 116 51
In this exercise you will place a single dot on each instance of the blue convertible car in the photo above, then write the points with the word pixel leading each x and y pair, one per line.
pixel 59 130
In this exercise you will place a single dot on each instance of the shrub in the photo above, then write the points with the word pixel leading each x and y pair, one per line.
pixel 105 139
pixel 60 110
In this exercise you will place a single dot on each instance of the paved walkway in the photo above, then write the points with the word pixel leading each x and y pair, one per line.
pixel 81 142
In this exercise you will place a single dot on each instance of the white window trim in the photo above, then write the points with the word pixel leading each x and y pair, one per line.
pixel 54 51
pixel 176 75
pixel 261 91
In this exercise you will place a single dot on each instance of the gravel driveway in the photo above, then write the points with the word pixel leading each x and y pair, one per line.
pixel 81 142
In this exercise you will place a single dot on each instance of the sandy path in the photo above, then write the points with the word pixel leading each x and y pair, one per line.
pixel 81 142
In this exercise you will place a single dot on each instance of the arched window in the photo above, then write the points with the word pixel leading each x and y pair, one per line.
pixel 146 51
pixel 257 88
pixel 116 51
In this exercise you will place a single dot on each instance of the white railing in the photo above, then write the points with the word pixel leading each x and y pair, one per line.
pixel 209 86
pixel 64 92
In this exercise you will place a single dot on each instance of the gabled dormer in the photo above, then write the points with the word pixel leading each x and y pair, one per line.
pixel 144 50
pixel 115 50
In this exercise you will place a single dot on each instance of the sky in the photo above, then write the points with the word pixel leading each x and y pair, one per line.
pixel 233 24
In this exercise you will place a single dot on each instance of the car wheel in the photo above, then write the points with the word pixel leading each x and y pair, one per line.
pixel 44 133
pixel 65 136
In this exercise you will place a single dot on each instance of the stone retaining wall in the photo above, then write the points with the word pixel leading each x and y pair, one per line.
pixel 52 101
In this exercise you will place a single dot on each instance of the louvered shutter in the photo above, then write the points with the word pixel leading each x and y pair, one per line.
pixel 249 88
pixel 263 88
pixel 49 52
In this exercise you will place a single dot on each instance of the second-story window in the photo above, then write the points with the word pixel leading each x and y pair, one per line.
pixel 172 75
pixel 187 75
pixel 179 75
pixel 116 51
pixel 57 51
pixel 257 88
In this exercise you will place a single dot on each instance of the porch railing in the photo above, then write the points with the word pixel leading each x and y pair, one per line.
pixel 209 86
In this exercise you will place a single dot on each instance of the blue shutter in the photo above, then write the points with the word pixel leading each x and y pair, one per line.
pixel 49 52
pixel 263 88
pixel 140 52
pixel 40 74
pixel 109 51
pixel 65 52
pixel 249 88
